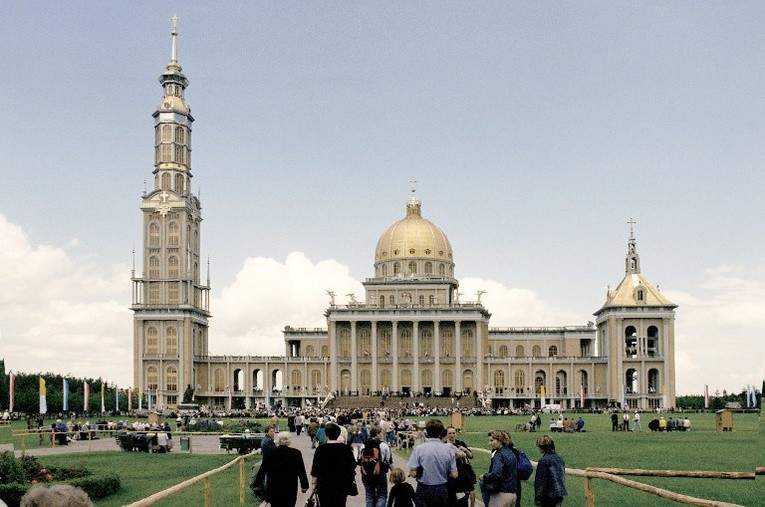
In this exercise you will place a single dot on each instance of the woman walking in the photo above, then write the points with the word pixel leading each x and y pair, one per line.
pixel 284 467
pixel 550 480
pixel 501 481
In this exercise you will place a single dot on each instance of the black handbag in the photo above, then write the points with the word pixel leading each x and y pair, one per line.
pixel 353 489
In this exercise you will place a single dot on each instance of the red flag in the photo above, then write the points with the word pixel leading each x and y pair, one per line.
pixel 86 398
pixel 706 396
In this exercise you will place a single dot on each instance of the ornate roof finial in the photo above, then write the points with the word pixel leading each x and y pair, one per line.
pixel 632 262
pixel 174 33
pixel 413 205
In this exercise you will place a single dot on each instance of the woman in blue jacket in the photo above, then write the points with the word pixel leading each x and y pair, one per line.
pixel 550 481
pixel 501 481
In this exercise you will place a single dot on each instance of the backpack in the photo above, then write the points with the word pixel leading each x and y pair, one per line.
pixel 371 459
pixel 525 468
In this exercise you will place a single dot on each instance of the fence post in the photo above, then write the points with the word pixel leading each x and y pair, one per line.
pixel 589 491
pixel 90 439
pixel 241 481
pixel 207 492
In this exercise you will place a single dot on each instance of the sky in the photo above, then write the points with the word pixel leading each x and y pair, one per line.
pixel 535 131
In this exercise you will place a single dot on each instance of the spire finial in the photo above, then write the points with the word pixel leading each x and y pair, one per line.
pixel 632 223
pixel 413 204
pixel 632 262
pixel 174 33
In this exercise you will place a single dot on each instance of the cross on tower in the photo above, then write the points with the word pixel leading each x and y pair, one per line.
pixel 414 185
pixel 164 195
pixel 175 19
pixel 631 222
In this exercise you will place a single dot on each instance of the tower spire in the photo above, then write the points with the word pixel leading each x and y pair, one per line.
pixel 632 261
pixel 413 205
pixel 173 65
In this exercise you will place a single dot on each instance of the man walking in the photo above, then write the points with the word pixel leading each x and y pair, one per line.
pixel 432 463
pixel 375 460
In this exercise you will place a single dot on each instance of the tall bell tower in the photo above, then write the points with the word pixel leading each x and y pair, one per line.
pixel 170 303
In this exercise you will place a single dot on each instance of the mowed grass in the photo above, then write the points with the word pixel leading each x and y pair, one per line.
pixel 703 448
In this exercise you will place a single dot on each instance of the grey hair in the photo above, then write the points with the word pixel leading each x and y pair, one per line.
pixel 283 438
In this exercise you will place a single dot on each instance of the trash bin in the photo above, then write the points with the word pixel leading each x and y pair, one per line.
pixel 185 444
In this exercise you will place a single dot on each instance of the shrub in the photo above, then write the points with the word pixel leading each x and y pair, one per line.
pixel 11 470
pixel 98 486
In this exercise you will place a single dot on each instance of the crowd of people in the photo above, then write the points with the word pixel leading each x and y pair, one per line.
pixel 440 464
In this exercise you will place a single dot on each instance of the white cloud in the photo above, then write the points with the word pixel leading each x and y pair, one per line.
pixel 62 314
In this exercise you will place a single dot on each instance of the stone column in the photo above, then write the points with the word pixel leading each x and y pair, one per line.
pixel 479 359
pixel 458 355
pixel 394 354
pixel 375 386
pixel 354 359
pixel 437 355
pixel 333 381
pixel 416 356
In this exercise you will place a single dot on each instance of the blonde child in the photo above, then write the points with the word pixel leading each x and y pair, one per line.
pixel 402 493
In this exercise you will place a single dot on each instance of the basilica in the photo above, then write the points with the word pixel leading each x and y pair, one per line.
pixel 410 336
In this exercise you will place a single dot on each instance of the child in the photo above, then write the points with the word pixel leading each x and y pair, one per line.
pixel 402 493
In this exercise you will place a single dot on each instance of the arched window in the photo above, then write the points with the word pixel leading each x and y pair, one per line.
pixel 174 234
pixel 396 268
pixel 503 351
pixel 384 270
pixel 296 378
pixel 179 186
pixel 171 379
pixel 421 300
pixel 152 341
pixel 499 378
pixel 406 343
pixel 431 300
pixel 536 351
pixel 653 381
pixel 385 378
pixel 631 381
pixel 412 267
pixel 441 270
pixel 344 343
pixel 172 293
pixel 153 234
pixel 384 343
pixel 173 267
pixel 180 135
pixel 519 379
pixel 366 382
pixel 427 344
pixel 406 378
pixel 447 379
pixel 382 301
pixel 427 379
pixel 315 379
pixel 218 380
pixel 467 380
pixel 467 343
pixel 519 352
pixel 309 350
pixel 152 377
pixel 167 132
pixel 154 267
pixel 552 351
pixel 630 341
pixel 447 344
pixel 561 383
pixel 584 381
pixel 540 379
pixel 324 351
pixel 428 268
pixel 171 341
pixel 653 341
pixel 365 347
pixel 165 181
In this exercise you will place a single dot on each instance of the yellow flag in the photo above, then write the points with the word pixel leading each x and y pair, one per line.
pixel 541 391
pixel 43 399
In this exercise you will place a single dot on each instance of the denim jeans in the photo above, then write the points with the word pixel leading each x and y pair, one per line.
pixel 376 489
pixel 427 496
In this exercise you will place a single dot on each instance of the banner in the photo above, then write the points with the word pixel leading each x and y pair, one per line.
pixel 706 396
pixel 66 396
pixel 624 396
pixel 12 393
pixel 542 394
pixel 140 398
pixel 86 398
pixel 581 394
pixel 43 399
pixel 130 399
pixel 117 399
pixel 148 399
pixel 229 399
pixel 103 408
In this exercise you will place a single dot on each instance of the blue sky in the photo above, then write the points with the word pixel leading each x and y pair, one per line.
pixel 534 130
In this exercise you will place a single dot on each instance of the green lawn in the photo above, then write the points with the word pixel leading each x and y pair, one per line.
pixel 702 448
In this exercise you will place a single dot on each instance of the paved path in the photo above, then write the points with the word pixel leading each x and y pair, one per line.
pixel 208 444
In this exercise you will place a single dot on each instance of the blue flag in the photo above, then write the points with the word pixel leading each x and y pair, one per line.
pixel 66 395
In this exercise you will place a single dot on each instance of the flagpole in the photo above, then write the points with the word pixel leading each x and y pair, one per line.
pixel 12 392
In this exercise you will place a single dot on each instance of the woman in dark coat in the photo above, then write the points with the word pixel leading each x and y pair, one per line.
pixel 333 469
pixel 284 467
pixel 550 481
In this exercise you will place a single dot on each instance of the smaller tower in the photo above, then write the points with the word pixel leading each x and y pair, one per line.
pixel 636 331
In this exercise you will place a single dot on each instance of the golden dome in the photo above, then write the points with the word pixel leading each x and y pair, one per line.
pixel 414 239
